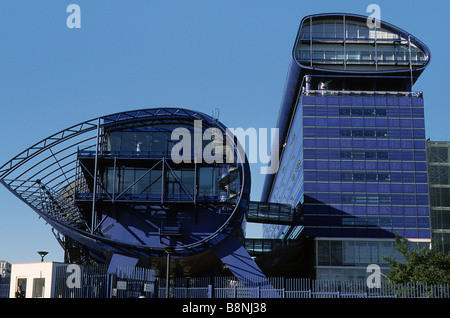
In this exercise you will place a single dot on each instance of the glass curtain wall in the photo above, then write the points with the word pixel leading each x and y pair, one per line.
pixel 439 187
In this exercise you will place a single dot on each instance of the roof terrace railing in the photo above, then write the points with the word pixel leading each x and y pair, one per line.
pixel 360 93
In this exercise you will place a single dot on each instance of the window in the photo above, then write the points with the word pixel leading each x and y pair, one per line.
pixel 387 56
pixel 318 55
pixel 317 30
pixel 363 133
pixel 362 112
pixel 366 199
pixel 21 288
pixel 346 176
pixel 382 155
pixel 352 31
pixel 329 30
pixel 303 55
pixel 330 55
pixel 38 287
pixel 365 55
pixel 353 55
pixel 208 183
pixel 363 32
pixel 364 154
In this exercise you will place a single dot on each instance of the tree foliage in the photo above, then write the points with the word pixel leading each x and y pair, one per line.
pixel 424 265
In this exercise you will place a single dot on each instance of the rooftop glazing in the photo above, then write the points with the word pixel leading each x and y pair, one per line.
pixel 348 44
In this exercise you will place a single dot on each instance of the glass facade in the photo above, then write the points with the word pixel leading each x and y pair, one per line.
pixel 359 167
pixel 323 45
pixel 439 187
pixel 348 258
pixel 353 152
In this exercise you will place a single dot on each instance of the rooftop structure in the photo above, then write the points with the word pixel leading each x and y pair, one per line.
pixel 352 143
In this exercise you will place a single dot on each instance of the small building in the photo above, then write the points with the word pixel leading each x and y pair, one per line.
pixel 35 280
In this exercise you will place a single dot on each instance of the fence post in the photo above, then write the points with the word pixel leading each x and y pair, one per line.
pixel 210 293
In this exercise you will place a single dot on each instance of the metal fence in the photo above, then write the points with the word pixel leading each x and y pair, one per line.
pixel 95 282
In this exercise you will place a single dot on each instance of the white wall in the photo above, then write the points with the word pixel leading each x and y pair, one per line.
pixel 30 272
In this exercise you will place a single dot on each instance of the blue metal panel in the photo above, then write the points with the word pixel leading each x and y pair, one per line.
pixel 118 260
pixel 241 264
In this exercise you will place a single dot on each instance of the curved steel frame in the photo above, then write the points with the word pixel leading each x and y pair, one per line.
pixel 43 176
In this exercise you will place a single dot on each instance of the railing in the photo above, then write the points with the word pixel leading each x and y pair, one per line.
pixel 361 93
pixel 136 282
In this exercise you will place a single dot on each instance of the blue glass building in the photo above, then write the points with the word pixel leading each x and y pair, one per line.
pixel 353 151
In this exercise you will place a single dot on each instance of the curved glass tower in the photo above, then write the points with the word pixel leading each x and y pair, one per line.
pixel 353 143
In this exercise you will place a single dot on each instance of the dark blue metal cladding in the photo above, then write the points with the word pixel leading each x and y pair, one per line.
pixel 352 181
pixel 364 161
pixel 355 158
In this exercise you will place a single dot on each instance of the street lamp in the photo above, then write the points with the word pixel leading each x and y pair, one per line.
pixel 42 253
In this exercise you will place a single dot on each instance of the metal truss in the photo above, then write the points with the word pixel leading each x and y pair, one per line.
pixel 44 176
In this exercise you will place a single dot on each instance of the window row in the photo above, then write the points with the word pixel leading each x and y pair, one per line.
pixel 365 176
pixel 356 56
pixel 333 111
pixel 318 100
pixel 364 165
pixel 393 133
pixel 361 199
pixel 337 143
pixel 379 154
pixel 321 210
pixel 337 30
pixel 408 222
pixel 364 154
pixel 164 141
pixel 324 122
pixel 407 177
pixel 362 133
pixel 392 123
pixel 366 198
pixel 365 188
pixel 396 222
pixel 362 253
pixel 363 111
pixel 179 182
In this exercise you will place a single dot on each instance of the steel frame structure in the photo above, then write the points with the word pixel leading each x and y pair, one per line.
pixel 44 175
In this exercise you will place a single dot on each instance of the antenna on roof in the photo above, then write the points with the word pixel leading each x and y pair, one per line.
pixel 215 114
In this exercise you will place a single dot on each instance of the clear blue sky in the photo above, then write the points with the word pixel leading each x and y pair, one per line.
pixel 227 54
